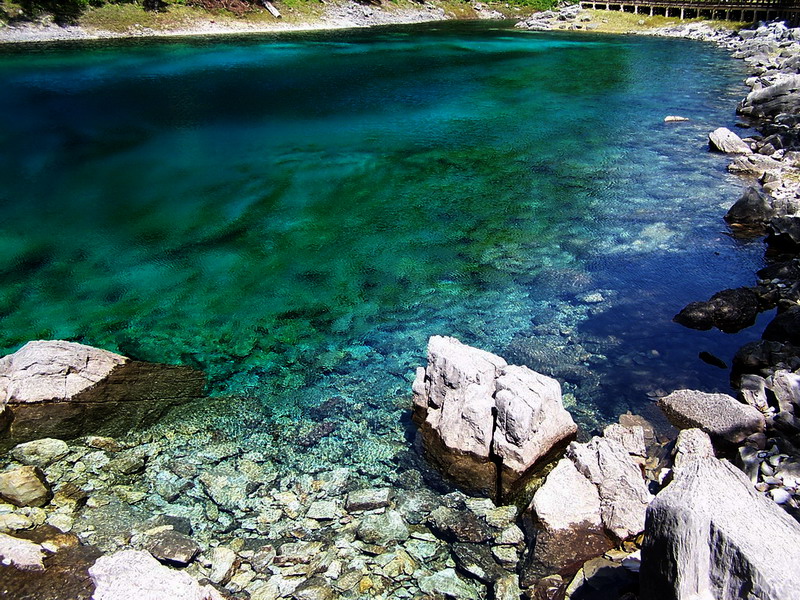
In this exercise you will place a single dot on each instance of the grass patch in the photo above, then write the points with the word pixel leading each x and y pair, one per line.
pixel 123 18
pixel 614 21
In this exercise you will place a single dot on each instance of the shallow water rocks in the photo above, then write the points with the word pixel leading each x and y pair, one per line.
pixel 623 493
pixel 478 415
pixel 448 583
pixel 63 390
pixel 710 534
pixel 40 453
pixel 368 499
pixel 722 417
pixel 25 486
pixel 384 529
pixel 174 548
pixel 136 575
pixel 724 140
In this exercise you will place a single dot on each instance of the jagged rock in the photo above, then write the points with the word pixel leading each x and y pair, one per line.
pixel 531 421
pixel 174 548
pixel 475 411
pixel 781 97
pixel 25 486
pixel 64 390
pixel 721 416
pixel 691 443
pixel 40 453
pixel 623 493
pixel 21 554
pixel 724 140
pixel 135 575
pixel 785 327
pixel 711 535
pixel 785 385
pixel 763 358
pixel 753 211
pixel 570 530
pixel 729 311
pixel 631 438
pixel 783 233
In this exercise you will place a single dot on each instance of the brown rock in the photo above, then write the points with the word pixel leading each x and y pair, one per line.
pixel 25 486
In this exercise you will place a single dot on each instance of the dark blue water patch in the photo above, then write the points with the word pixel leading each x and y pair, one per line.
pixel 296 214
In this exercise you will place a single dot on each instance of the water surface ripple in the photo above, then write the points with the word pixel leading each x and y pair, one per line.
pixel 296 214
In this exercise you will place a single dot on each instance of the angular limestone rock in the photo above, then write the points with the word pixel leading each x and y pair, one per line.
pixel 136 575
pixel 567 511
pixel 64 390
pixel 25 486
pixel 721 416
pixel 711 535
pixel 623 494
pixel 478 415
pixel 531 420
pixel 724 140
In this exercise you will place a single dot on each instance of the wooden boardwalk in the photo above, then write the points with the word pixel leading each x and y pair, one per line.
pixel 731 10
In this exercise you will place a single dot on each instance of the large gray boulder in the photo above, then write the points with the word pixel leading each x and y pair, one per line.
pixel 710 535
pixel 64 390
pixel 477 414
pixel 783 96
pixel 722 417
pixel 569 524
pixel 724 140
pixel 623 493
pixel 136 575
pixel 752 212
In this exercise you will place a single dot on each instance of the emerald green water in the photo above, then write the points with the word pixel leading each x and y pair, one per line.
pixel 296 214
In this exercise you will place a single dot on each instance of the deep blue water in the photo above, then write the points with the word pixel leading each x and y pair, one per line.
pixel 296 214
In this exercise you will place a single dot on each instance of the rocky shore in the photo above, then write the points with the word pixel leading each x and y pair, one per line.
pixel 120 508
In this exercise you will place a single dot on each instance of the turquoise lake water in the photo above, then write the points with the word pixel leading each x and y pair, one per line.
pixel 297 214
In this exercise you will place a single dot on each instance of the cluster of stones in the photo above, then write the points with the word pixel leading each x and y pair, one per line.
pixel 570 17
pixel 589 511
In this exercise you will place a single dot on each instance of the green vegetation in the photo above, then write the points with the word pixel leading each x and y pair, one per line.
pixel 613 21
pixel 162 15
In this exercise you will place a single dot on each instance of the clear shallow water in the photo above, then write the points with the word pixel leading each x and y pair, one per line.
pixel 296 214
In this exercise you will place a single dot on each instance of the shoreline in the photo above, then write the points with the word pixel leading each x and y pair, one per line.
pixel 337 15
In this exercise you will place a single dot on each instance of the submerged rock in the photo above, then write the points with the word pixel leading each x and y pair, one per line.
pixel 711 535
pixel 21 554
pixel 64 390
pixel 486 423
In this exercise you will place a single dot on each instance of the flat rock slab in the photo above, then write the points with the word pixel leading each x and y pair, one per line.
pixel 724 140
pixel 711 535
pixel 21 554
pixel 721 416
pixel 136 575
pixel 64 390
